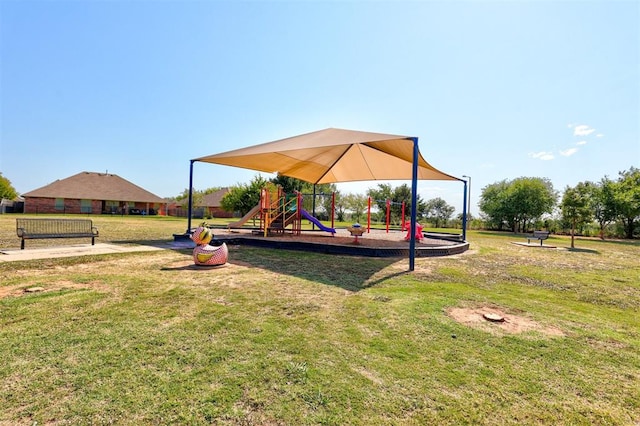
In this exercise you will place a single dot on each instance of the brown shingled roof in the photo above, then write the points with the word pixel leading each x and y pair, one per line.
pixel 213 199
pixel 95 186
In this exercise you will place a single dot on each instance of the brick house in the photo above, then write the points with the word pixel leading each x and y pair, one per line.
pixel 212 204
pixel 209 206
pixel 92 193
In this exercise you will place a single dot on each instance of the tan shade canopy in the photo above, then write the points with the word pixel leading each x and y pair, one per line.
pixel 332 156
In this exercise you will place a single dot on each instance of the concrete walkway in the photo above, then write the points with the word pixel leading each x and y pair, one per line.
pixel 10 255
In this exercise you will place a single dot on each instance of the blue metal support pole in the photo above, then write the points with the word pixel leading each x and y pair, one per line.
pixel 190 197
pixel 464 213
pixel 414 206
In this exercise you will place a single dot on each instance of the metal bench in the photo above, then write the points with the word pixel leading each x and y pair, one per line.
pixel 538 235
pixel 28 229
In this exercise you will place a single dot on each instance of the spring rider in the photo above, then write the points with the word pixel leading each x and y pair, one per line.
pixel 204 254
pixel 418 231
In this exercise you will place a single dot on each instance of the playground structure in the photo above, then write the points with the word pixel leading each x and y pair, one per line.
pixel 277 211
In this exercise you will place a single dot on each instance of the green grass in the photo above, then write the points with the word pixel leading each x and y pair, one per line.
pixel 280 337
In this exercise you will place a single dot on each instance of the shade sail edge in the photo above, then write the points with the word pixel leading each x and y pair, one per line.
pixel 321 157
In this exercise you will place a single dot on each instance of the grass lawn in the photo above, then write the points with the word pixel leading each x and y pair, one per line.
pixel 294 338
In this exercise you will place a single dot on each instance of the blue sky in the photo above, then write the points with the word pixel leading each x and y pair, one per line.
pixel 494 90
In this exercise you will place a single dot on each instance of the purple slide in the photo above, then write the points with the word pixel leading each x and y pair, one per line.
pixel 316 222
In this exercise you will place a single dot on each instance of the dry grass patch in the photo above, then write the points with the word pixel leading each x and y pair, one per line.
pixel 50 287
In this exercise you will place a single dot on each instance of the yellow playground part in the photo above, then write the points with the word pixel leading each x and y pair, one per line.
pixel 244 219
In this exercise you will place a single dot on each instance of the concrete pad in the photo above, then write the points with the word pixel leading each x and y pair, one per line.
pixel 533 245
pixel 10 255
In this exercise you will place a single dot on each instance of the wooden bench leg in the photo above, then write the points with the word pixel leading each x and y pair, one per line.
pixel 22 244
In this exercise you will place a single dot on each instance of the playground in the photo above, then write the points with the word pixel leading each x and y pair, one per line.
pixel 376 243
pixel 331 156
pixel 278 223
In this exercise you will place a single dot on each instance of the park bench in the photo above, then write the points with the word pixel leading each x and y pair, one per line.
pixel 538 235
pixel 55 228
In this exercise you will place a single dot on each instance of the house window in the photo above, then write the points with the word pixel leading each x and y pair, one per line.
pixel 85 206
pixel 59 204
pixel 111 207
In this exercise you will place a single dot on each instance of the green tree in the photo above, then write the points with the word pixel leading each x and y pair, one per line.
pixel 397 196
pixel 493 204
pixel 603 204
pixel 323 193
pixel 183 198
pixel 627 199
pixel 576 207
pixel 243 197
pixel 438 211
pixel 530 198
pixel 324 200
pixel 380 195
pixel 290 185
pixel 6 189
pixel 517 203
pixel 356 204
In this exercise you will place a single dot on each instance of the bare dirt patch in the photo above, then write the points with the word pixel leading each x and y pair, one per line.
pixel 20 290
pixel 512 324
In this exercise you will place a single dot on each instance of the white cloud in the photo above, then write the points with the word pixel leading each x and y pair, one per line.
pixel 569 152
pixel 581 143
pixel 542 155
pixel 570 125
pixel 583 130
pixel 599 135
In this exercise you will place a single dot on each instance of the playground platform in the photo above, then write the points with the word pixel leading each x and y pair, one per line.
pixel 376 243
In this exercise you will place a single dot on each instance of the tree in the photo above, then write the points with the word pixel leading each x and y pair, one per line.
pixel 397 196
pixel 517 203
pixel 380 195
pixel 340 207
pixel 627 199
pixel 529 199
pixel 602 201
pixel 356 204
pixel 437 210
pixel 183 198
pixel 243 197
pixel 576 208
pixel 323 191
pixel 324 198
pixel 493 203
pixel 6 189
pixel 290 185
